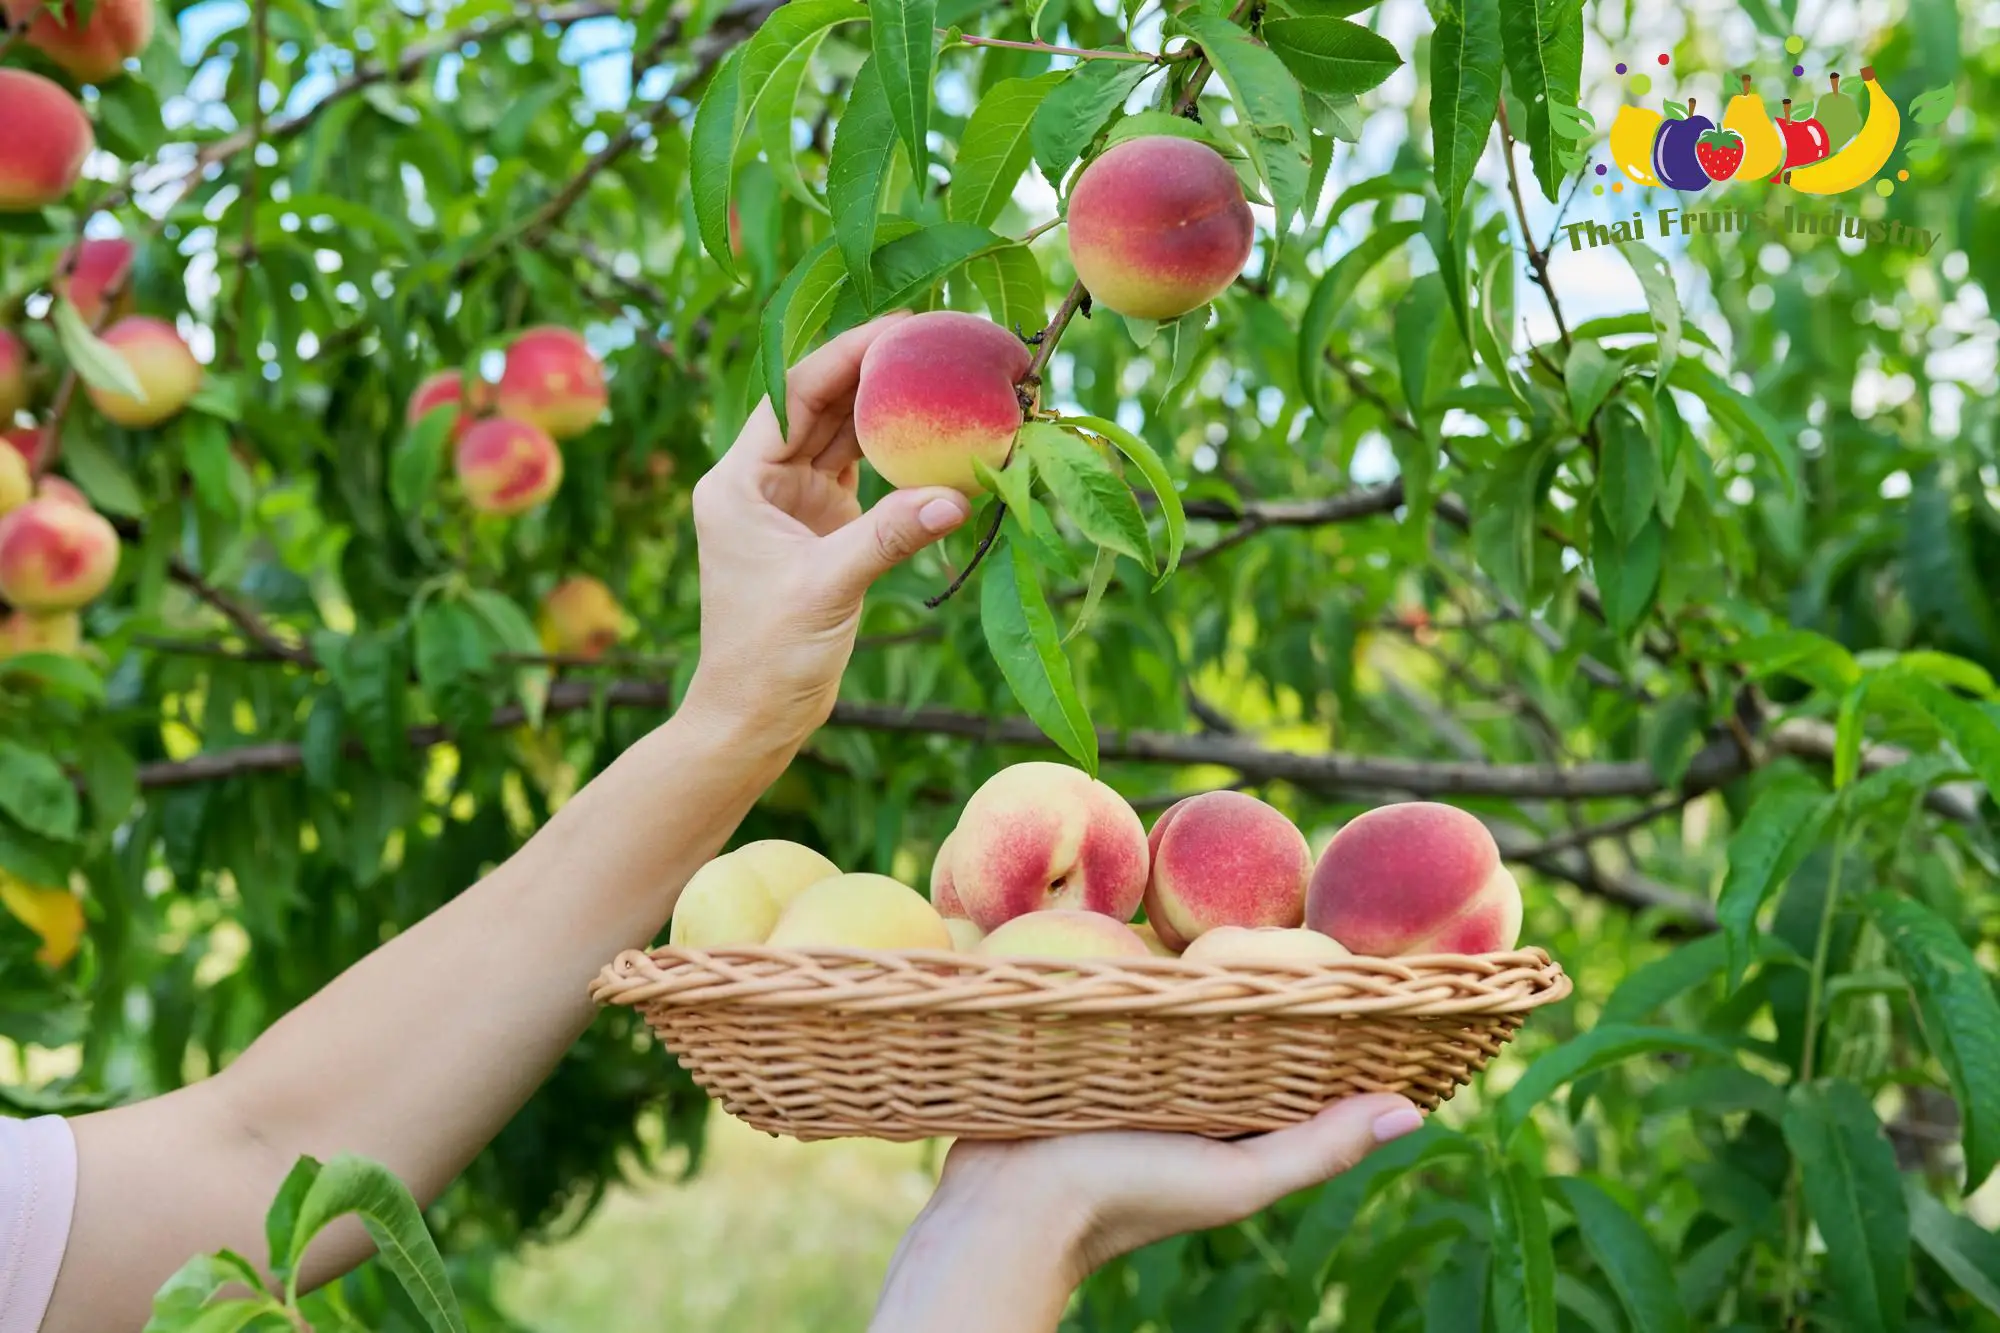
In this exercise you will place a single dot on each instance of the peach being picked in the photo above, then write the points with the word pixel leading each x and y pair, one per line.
pixel 936 392
pixel 737 897
pixel 1158 226
pixel 92 50
pixel 1415 878
pixel 48 137
pixel 91 272
pixel 552 381
pixel 13 377
pixel 160 361
pixel 1038 836
pixel 580 618
pixel 507 467
pixel 55 556
pixel 1224 859
pixel 1225 945
pixel 1061 933
pixel 860 912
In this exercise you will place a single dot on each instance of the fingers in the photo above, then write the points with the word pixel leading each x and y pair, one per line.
pixel 902 524
pixel 1330 1143
pixel 819 396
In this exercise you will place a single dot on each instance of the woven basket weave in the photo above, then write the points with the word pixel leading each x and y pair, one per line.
pixel 830 1043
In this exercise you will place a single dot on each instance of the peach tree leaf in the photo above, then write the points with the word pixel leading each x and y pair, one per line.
pixel 1021 633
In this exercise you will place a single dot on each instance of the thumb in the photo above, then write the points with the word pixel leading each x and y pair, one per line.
pixel 900 525
pixel 1331 1142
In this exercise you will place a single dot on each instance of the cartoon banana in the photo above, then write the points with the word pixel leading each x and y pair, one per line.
pixel 1763 146
pixel 1858 163
pixel 1631 143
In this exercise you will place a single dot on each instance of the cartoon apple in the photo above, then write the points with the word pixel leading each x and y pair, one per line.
pixel 1806 141
pixel 1676 155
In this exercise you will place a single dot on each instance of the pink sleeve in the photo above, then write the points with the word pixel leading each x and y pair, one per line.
pixel 37 1192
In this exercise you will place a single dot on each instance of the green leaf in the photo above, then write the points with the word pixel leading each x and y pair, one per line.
pixel 1094 496
pixel 37 793
pixel 1781 826
pixel 1101 571
pixel 1155 472
pixel 1590 374
pixel 369 669
pixel 1543 44
pixel 1961 1018
pixel 1074 111
pixel 712 160
pixel 855 171
pixel 353 1185
pixel 1503 522
pixel 454 662
pixel 1629 475
pixel 1524 1286
pixel 911 265
pixel 775 112
pixel 1021 632
pixel 181 1297
pixel 1332 298
pixel 1465 94
pixel 1746 419
pixel 1603 1046
pixel 92 466
pixel 418 461
pixel 1628 573
pixel 1628 1256
pixel 281 1220
pixel 1966 1251
pixel 810 286
pixel 1011 282
pixel 1336 57
pixel 1663 302
pixel 95 362
pixel 1014 484
pixel 995 148
pixel 205 446
pixel 1186 334
pixel 904 44
pixel 1855 1197
pixel 1972 730
pixel 1268 99
pixel 1810 656
pixel 511 628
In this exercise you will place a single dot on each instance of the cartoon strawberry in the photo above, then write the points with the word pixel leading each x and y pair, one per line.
pixel 1720 152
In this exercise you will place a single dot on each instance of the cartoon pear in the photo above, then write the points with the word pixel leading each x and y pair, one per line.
pixel 1763 146
pixel 1631 143
pixel 1837 111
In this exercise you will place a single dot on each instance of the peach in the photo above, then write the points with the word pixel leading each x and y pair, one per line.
pixel 944 895
pixel 16 486
pixel 92 272
pixel 448 387
pixel 737 898
pixel 55 556
pixel 1264 944
pixel 27 441
pixel 1415 878
pixel 60 633
pixel 48 138
pixel 860 912
pixel 1060 933
pixel 1225 859
pixel 1154 944
pixel 553 381
pixel 92 50
pixel 1042 835
pixel 965 936
pixel 57 491
pixel 160 361
pixel 13 376
pixel 54 914
pixel 507 466
pixel 1158 226
pixel 580 618
pixel 936 392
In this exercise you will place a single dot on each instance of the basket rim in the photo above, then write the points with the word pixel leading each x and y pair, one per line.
pixel 760 977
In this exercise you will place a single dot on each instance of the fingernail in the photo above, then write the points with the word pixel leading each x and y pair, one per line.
pixel 942 515
pixel 1395 1124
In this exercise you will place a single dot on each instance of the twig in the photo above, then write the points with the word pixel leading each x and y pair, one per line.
pixel 1538 260
pixel 978 554
pixel 1611 828
pixel 1033 232
pixel 1081 53
pixel 246 620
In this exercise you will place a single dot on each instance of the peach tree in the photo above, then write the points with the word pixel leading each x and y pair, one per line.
pixel 1672 561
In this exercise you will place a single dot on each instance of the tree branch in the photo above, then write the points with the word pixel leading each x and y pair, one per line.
pixel 1538 260
pixel 247 621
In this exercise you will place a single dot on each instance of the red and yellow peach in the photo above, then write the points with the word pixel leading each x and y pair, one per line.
pixel 27 441
pixel 507 467
pixel 936 392
pixel 160 361
pixel 57 491
pixel 48 137
pixel 1039 836
pixel 580 618
pixel 1415 878
pixel 1224 859
pixel 447 388
pixel 55 556
pixel 552 381
pixel 1158 226
pixel 17 487
pixel 92 50
pixel 59 633
pixel 860 912
pixel 94 271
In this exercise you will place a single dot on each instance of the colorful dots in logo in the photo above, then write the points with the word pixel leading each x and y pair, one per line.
pixel 1795 44
pixel 1622 67
pixel 1618 187
pixel 1798 71
pixel 1640 84
pixel 1597 189
pixel 1601 169
pixel 1885 188
pixel 1903 175
pixel 1665 58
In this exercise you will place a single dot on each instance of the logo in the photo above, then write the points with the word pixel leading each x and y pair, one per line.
pixel 1818 146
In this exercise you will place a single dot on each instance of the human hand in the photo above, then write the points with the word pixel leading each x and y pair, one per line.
pixel 787 555
pixel 1014 1227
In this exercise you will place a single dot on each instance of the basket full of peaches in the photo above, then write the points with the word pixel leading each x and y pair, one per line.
pixel 1020 999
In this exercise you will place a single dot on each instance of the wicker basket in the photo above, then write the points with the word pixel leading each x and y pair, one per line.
pixel 829 1043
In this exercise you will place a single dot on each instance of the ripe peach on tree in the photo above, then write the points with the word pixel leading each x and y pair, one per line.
pixel 1158 226
pixel 160 362
pixel 48 138
pixel 90 49
pixel 55 556
pixel 553 381
pixel 90 273
pixel 507 467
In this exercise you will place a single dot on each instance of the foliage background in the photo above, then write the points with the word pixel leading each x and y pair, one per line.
pixel 282 732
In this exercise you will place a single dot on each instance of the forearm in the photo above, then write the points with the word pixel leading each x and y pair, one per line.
pixel 971 1264
pixel 419 1053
